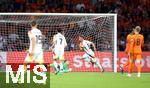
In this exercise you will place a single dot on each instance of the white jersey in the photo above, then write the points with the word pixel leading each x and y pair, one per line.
pixel 60 41
pixel 36 33
pixel 86 46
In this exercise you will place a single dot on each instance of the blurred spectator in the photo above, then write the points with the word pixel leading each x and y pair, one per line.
pixel 80 7
pixel 13 37
pixel 14 43
pixel 130 12
pixel 70 6
pixel 64 10
pixel 1 42
pixel 71 45
pixel 100 7
pixel 46 44
pixel 122 44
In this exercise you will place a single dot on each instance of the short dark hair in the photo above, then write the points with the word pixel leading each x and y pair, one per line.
pixel 59 30
pixel 33 23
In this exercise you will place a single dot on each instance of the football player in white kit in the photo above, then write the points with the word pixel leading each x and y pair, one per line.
pixel 35 52
pixel 59 44
pixel 89 54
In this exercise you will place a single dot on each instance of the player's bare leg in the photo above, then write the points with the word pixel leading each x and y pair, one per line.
pixel 139 67
pixel 130 67
pixel 56 66
pixel 28 60
pixel 94 60
pixel 61 64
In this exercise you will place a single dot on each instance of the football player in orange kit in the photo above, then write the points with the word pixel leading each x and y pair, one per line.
pixel 137 50
pixel 128 50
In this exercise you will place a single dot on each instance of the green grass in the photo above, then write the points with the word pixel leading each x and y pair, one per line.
pixel 98 80
pixel 85 80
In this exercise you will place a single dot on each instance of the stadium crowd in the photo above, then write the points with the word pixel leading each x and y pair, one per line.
pixel 130 13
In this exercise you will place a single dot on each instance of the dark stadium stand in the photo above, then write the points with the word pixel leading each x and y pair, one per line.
pixel 130 12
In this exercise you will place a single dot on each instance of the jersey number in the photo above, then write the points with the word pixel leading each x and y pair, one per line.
pixel 60 40
pixel 138 42
pixel 39 39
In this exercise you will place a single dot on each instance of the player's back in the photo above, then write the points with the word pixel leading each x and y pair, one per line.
pixel 36 33
pixel 60 41
pixel 138 43
pixel 86 45
pixel 129 43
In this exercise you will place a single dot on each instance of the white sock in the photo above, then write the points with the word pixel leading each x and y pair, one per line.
pixel 56 65
pixel 139 74
pixel 61 66
pixel 99 65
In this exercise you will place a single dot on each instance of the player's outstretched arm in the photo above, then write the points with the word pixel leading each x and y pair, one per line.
pixel 80 46
pixel 65 43
pixel 52 47
pixel 53 43
pixel 33 46
pixel 32 41
pixel 94 46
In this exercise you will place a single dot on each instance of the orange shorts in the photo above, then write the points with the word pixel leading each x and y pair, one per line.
pixel 131 56
pixel 137 56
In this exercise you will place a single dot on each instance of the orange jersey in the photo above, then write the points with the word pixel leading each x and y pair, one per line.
pixel 138 43
pixel 129 43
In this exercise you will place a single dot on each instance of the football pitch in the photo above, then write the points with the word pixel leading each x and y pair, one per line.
pixel 85 80
pixel 99 80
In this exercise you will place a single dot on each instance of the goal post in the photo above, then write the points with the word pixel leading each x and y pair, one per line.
pixel 101 29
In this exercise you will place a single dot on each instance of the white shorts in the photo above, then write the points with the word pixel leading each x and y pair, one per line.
pixel 37 58
pixel 88 56
pixel 59 53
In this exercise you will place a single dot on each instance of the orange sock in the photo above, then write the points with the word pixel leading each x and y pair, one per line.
pixel 132 66
pixel 139 67
pixel 129 67
pixel 126 65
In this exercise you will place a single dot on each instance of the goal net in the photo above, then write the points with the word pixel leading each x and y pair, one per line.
pixel 98 28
